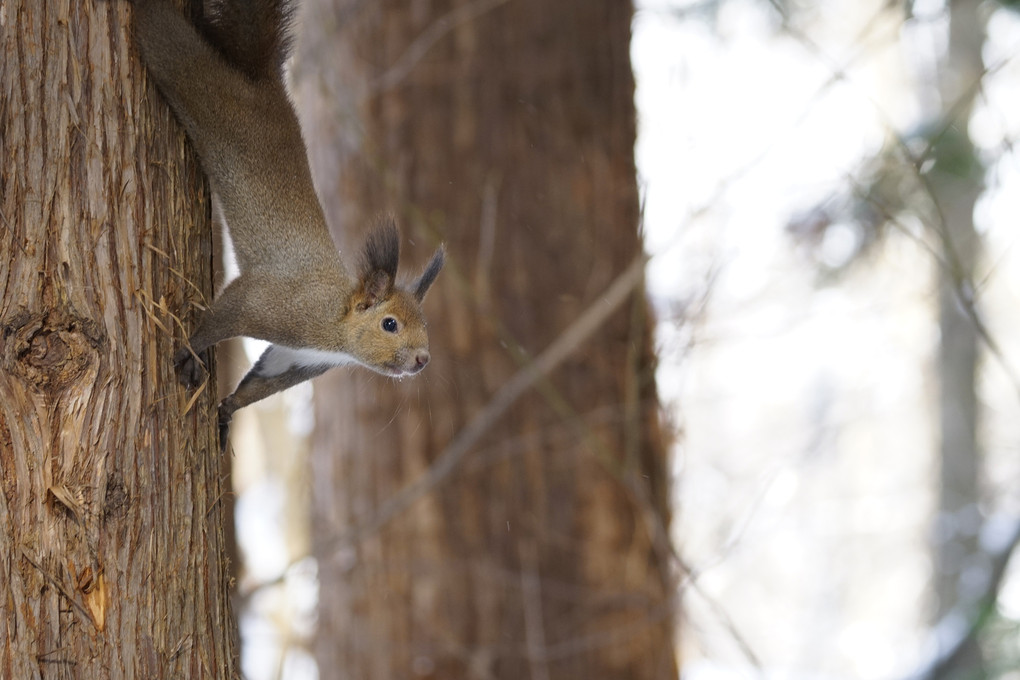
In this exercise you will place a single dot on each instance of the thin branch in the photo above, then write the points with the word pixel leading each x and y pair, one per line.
pixel 574 336
pixel 667 548
pixel 976 614
pixel 424 42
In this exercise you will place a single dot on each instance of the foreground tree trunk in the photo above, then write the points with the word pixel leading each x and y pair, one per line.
pixel 505 129
pixel 111 526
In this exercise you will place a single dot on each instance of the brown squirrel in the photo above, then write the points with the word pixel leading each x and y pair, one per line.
pixel 223 80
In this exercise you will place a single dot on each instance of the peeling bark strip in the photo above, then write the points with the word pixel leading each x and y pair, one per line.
pixel 111 539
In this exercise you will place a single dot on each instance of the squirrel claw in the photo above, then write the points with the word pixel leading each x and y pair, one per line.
pixel 190 370
pixel 225 413
pixel 224 432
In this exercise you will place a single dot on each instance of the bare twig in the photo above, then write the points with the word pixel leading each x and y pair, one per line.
pixel 423 43
pixel 975 613
pixel 576 334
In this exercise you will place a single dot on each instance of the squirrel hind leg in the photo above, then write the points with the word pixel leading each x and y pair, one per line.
pixel 187 69
pixel 253 36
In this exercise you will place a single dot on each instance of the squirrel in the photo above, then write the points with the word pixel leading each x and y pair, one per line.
pixel 223 80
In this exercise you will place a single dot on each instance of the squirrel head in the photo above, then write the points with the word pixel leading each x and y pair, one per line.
pixel 386 326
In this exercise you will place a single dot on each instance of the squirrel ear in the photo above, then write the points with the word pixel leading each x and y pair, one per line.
pixel 373 287
pixel 382 250
pixel 423 284
pixel 378 264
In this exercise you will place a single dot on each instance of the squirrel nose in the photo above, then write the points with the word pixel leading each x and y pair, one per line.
pixel 421 359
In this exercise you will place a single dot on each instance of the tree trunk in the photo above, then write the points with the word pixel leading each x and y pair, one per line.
pixel 505 129
pixel 957 183
pixel 111 526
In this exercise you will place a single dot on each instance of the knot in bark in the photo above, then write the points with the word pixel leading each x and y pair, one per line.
pixel 51 350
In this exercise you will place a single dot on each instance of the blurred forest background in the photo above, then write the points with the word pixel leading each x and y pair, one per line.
pixel 829 196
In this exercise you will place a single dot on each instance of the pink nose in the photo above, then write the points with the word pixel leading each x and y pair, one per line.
pixel 421 359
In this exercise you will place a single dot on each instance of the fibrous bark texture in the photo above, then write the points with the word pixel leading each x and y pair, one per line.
pixel 505 129
pixel 111 535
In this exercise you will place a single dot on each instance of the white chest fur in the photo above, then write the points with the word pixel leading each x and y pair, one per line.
pixel 278 359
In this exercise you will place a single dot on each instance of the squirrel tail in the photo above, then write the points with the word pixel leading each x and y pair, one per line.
pixel 254 36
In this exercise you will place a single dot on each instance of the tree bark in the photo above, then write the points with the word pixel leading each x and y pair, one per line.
pixel 111 526
pixel 505 129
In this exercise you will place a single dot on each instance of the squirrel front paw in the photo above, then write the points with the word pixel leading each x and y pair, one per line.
pixel 190 371
pixel 225 413
pixel 224 429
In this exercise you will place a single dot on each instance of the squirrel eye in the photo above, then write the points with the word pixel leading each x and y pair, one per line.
pixel 389 324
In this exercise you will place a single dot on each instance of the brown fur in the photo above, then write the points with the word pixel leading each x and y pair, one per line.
pixel 294 291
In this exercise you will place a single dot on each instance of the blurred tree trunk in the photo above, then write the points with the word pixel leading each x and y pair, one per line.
pixel 957 182
pixel 111 529
pixel 505 129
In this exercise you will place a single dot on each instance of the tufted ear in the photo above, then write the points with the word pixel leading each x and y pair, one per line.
pixel 382 250
pixel 372 289
pixel 424 282
pixel 378 265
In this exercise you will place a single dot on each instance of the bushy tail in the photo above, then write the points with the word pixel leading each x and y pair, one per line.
pixel 252 35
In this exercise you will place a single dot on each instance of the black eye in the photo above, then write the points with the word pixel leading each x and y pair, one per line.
pixel 389 324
